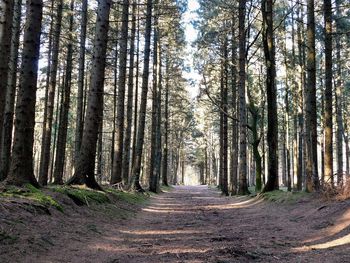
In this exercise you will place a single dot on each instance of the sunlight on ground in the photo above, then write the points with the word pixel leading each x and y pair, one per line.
pixel 340 225
pixel 161 232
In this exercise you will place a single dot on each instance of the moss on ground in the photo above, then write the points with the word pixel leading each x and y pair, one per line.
pixel 129 197
pixel 31 193
pixel 82 195
pixel 280 196
pixel 166 188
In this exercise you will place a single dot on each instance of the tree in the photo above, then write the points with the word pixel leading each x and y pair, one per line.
pixel 328 94
pixel 7 126
pixel 136 169
pixel 50 98
pixel 6 15
pixel 85 166
pixel 81 77
pixel 119 139
pixel 129 113
pixel 272 127
pixel 65 104
pixel 311 170
pixel 21 169
pixel 243 185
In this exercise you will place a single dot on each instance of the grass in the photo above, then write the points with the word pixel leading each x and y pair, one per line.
pixel 31 193
pixel 280 196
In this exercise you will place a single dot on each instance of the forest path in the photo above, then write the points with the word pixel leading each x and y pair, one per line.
pixel 196 224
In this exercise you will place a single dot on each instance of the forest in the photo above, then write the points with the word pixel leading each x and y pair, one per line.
pixel 174 131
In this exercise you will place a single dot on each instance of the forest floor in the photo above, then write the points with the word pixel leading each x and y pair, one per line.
pixel 186 224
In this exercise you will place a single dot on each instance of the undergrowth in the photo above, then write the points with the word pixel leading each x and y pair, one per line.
pixel 82 195
pixel 129 197
pixel 280 196
pixel 31 193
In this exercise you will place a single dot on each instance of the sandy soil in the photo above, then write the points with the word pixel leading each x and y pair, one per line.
pixel 189 224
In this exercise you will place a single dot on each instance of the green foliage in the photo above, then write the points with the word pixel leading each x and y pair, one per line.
pixel 31 193
pixel 280 196
pixel 82 196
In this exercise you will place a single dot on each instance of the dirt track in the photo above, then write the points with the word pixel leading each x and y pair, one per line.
pixel 196 224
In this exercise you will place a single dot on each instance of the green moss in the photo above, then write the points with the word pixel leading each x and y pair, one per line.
pixel 82 196
pixel 129 197
pixel 280 196
pixel 31 193
pixel 166 188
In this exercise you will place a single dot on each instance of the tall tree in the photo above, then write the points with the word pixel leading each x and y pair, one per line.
pixel 129 113
pixel 328 94
pixel 153 176
pixel 65 104
pixel 7 125
pixel 243 184
pixel 339 97
pixel 85 166
pixel 21 169
pixel 119 136
pixel 271 91
pixel 135 182
pixel 81 77
pixel 311 170
pixel 6 15
pixel 50 100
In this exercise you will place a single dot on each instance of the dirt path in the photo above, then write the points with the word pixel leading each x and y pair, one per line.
pixel 196 224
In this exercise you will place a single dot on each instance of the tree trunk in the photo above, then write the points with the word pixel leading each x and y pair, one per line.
pixel 127 142
pixel 81 75
pixel 119 136
pixel 328 95
pixel 49 103
pixel 272 117
pixel 224 119
pixel 63 124
pixel 339 99
pixel 84 173
pixel 21 170
pixel 142 116
pixel 153 176
pixel 6 18
pixel 312 182
pixel 234 147
pixel 166 125
pixel 243 185
pixel 7 125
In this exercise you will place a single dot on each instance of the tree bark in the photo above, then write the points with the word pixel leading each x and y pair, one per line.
pixel 85 168
pixel 243 184
pixel 129 113
pixel 49 103
pixel 272 117
pixel 328 95
pixel 135 182
pixel 21 169
pixel 63 124
pixel 311 170
pixel 6 17
pixel 119 136
pixel 81 76
pixel 166 125
pixel 7 125
pixel 153 176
